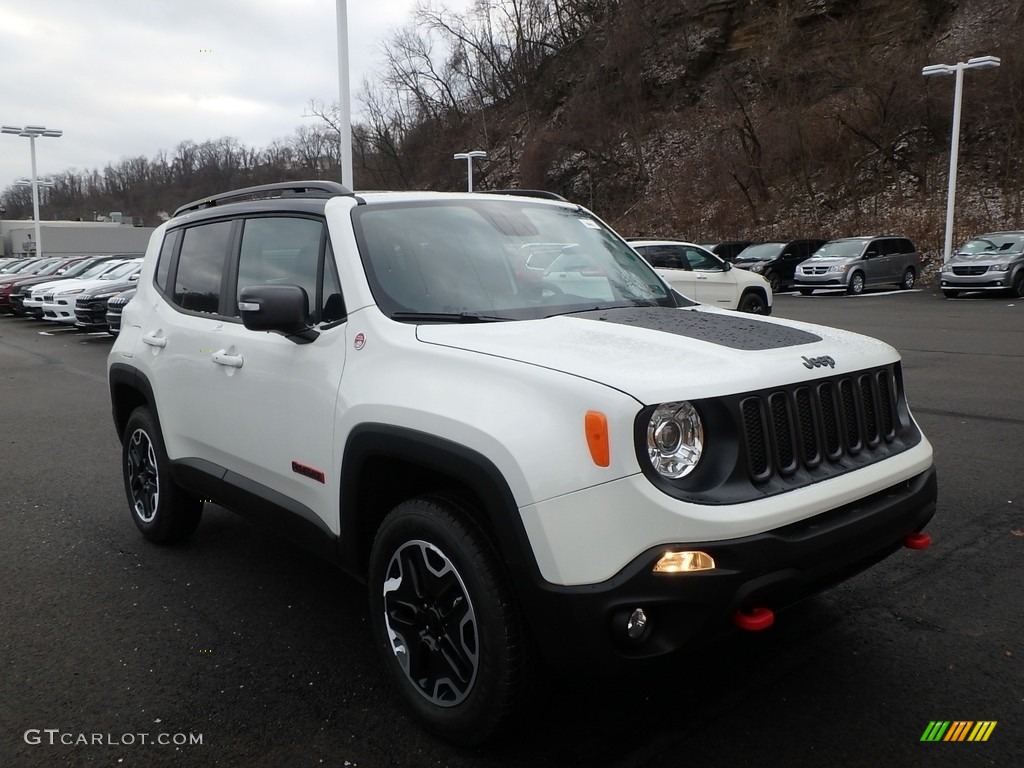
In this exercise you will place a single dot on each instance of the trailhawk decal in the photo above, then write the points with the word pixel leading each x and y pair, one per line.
pixel 733 331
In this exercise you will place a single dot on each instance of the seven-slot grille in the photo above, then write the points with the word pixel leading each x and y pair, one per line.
pixel 970 269
pixel 819 422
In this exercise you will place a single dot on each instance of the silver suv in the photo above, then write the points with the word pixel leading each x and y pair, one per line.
pixel 992 262
pixel 854 263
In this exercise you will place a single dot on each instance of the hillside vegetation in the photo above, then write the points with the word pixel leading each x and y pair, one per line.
pixel 703 119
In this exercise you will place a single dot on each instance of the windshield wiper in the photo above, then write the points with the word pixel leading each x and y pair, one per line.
pixel 448 317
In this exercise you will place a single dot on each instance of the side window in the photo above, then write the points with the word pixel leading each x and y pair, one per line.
pixel 163 262
pixel 905 246
pixel 702 261
pixel 665 257
pixel 890 246
pixel 285 250
pixel 197 281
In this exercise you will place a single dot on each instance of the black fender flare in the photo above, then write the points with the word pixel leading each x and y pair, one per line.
pixel 435 454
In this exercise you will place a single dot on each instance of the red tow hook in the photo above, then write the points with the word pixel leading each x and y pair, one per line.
pixel 917 541
pixel 754 620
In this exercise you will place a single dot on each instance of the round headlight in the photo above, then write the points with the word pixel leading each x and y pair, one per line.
pixel 675 439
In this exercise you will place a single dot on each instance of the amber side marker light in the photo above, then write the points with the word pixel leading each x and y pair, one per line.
pixel 684 562
pixel 595 424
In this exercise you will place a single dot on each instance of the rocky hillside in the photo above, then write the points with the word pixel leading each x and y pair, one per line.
pixel 720 119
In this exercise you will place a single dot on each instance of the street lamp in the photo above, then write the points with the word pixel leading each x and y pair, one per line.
pixel 468 157
pixel 344 98
pixel 31 132
pixel 978 62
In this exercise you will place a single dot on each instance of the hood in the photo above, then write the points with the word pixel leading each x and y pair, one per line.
pixel 985 257
pixel 824 261
pixel 659 354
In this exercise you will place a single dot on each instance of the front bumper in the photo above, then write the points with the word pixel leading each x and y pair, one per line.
pixel 827 280
pixel 990 281
pixel 91 314
pixel 61 309
pixel 580 626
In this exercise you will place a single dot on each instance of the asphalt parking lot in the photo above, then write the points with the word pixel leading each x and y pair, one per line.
pixel 239 649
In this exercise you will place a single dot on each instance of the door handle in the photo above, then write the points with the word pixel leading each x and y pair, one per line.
pixel 223 358
pixel 154 341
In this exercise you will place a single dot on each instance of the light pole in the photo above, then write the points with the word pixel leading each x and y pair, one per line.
pixel 978 62
pixel 31 132
pixel 468 157
pixel 344 98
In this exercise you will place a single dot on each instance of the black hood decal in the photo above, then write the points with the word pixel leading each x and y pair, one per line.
pixel 733 331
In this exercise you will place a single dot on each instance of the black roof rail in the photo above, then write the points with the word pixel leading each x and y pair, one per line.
pixel 314 189
pixel 541 193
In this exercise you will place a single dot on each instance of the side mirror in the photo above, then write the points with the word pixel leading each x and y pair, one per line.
pixel 870 254
pixel 726 265
pixel 276 308
pixel 133 278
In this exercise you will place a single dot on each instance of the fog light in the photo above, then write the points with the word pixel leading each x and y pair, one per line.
pixel 684 562
pixel 636 625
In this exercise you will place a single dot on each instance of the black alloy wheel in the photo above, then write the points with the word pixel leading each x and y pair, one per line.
pixel 446 621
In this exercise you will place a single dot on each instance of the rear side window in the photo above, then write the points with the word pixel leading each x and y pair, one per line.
pixel 197 282
pixel 163 263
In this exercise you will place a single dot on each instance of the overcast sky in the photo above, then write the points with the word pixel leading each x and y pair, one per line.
pixel 124 78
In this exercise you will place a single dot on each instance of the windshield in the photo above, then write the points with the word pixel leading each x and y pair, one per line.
pixel 31 267
pixel 761 252
pixel 993 244
pixel 839 248
pixel 124 270
pixel 498 260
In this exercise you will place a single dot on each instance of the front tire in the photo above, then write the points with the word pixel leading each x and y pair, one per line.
pixel 162 511
pixel 753 303
pixel 856 285
pixel 446 621
pixel 775 281
pixel 1017 290
pixel 950 294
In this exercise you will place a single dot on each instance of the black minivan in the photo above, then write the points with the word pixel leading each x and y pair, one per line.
pixel 777 260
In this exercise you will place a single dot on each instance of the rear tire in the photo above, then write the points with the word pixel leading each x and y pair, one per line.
pixel 908 280
pixel 446 621
pixel 162 511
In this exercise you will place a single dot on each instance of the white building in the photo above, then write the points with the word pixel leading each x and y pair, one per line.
pixel 73 238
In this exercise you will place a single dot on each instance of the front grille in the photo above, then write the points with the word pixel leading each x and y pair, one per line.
pixel 972 269
pixel 48 297
pixel 826 422
pixel 812 270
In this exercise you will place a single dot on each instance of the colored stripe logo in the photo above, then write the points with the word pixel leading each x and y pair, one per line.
pixel 958 730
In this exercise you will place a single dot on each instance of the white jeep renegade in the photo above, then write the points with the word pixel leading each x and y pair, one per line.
pixel 582 470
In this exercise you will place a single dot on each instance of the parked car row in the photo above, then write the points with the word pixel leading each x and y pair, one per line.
pixel 69 290
pixel 989 262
